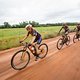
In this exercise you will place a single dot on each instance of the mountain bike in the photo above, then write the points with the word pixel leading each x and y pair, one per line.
pixel 76 37
pixel 22 57
pixel 62 41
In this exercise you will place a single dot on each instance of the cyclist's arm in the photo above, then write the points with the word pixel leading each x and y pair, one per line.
pixel 74 29
pixel 25 37
pixel 60 30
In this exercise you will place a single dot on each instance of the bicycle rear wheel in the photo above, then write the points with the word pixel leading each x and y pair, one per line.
pixel 60 44
pixel 43 50
pixel 20 59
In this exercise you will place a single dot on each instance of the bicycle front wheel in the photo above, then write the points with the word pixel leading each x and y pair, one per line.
pixel 75 39
pixel 60 44
pixel 20 59
pixel 43 50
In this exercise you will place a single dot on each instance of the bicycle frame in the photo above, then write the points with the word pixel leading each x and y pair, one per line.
pixel 26 48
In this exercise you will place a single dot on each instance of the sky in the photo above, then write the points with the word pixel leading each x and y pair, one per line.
pixel 42 11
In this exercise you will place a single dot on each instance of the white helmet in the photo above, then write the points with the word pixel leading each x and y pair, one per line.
pixel 28 26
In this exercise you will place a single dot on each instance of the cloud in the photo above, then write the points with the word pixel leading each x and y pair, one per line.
pixel 15 11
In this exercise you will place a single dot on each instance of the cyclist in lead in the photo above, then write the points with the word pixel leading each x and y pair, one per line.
pixel 37 39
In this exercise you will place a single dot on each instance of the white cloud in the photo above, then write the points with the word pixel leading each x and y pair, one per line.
pixel 43 11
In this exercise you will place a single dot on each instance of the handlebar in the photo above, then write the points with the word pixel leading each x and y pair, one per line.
pixel 25 44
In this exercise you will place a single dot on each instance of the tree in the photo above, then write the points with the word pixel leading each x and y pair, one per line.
pixel 7 25
pixel 34 24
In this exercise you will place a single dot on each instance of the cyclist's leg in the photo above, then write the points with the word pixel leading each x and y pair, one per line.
pixel 77 34
pixel 37 43
pixel 65 36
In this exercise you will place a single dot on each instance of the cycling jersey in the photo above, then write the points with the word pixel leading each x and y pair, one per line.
pixel 78 27
pixel 66 31
pixel 65 28
pixel 38 38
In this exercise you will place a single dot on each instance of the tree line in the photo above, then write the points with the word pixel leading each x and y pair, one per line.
pixel 20 25
pixel 34 24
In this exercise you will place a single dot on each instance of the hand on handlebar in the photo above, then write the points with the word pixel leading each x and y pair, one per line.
pixel 20 41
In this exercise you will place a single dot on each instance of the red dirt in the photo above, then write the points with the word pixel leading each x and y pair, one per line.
pixel 57 65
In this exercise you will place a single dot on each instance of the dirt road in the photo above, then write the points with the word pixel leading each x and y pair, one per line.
pixel 58 65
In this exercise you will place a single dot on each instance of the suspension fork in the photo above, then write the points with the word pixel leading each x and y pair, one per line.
pixel 24 53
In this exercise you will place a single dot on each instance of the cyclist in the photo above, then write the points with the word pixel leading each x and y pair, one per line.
pixel 77 30
pixel 37 39
pixel 66 30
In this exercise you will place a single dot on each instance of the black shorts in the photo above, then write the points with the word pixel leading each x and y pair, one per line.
pixel 38 40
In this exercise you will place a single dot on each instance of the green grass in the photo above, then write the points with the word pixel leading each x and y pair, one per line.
pixel 10 37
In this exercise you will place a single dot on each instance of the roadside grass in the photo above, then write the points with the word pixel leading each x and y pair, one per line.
pixel 10 37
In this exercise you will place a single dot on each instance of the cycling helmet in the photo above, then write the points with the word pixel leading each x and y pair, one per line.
pixel 28 26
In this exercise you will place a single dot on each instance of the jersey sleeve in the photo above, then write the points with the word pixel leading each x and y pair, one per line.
pixel 34 33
